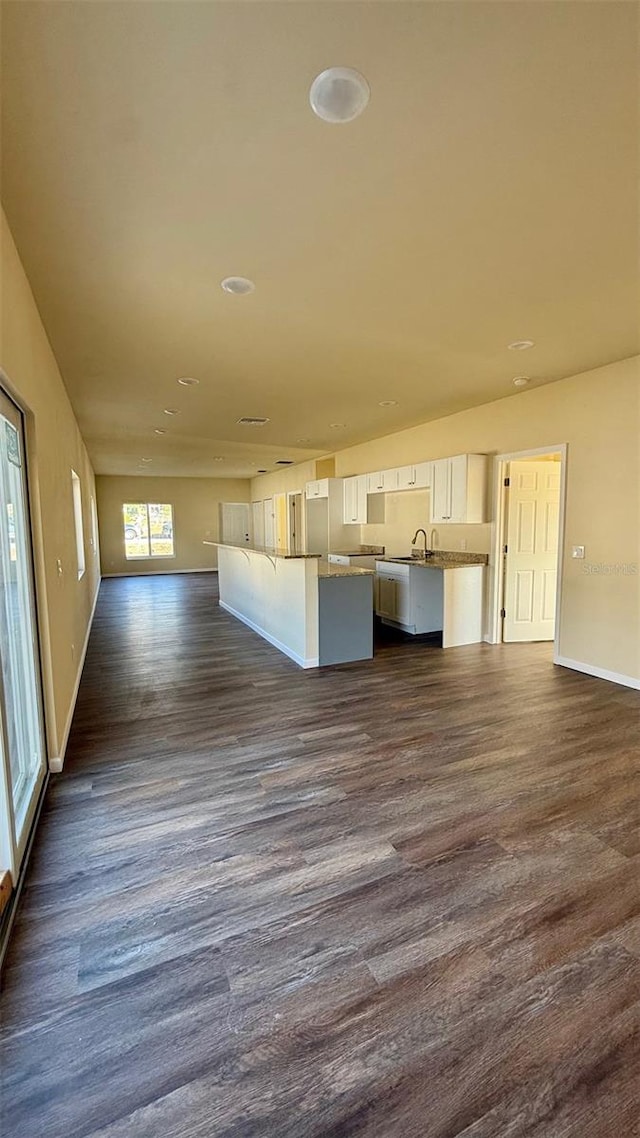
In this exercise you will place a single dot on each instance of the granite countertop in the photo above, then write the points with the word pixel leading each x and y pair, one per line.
pixel 442 559
pixel 268 551
pixel 361 551
pixel 328 570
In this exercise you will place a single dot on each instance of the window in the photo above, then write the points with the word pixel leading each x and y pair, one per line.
pixel 148 529
pixel 77 516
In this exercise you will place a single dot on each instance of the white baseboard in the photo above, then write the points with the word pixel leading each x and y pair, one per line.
pixel 56 762
pixel 312 662
pixel 159 573
pixel 599 673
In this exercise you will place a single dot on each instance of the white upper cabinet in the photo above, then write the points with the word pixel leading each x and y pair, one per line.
pixel 414 477
pixel 382 481
pixel 458 491
pixel 318 488
pixel 358 508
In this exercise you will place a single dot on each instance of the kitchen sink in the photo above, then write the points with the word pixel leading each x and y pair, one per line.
pixel 416 559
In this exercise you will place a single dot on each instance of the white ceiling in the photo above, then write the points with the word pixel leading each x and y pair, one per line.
pixel 488 193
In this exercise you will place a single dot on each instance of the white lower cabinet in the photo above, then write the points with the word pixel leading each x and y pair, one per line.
pixel 393 594
pixel 420 600
pixel 396 594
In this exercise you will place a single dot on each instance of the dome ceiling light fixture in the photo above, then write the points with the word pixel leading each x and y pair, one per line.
pixel 172 410
pixel 339 94
pixel 160 430
pixel 521 381
pixel 520 345
pixel 388 403
pixel 237 286
pixel 188 381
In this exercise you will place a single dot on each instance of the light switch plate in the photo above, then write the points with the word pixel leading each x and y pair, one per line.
pixel 577 551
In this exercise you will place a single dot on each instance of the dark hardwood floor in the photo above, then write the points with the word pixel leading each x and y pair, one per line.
pixel 392 899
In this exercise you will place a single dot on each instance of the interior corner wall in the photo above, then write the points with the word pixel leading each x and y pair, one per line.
pixel 55 447
pixel 195 503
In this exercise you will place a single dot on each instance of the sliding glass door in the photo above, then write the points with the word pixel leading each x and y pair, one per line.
pixel 21 735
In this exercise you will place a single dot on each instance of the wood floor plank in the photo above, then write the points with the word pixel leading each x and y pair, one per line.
pixel 390 899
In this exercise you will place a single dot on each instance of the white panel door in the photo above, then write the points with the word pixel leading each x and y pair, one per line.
pixel 235 523
pixel 269 524
pixel 531 561
pixel 257 523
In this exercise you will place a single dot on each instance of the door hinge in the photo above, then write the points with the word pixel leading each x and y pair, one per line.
pixel 507 481
pixel 503 613
pixel 506 549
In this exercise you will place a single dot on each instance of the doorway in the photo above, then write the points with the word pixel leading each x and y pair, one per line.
pixel 22 741
pixel 527 558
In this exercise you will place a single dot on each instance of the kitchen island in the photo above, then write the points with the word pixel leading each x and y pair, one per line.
pixel 317 614
pixel 440 593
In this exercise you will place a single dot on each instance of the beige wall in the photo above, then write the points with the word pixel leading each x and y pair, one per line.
pixel 195 504
pixel 55 447
pixel 597 414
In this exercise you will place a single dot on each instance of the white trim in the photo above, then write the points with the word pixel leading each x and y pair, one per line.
pixel 56 762
pixel 494 631
pixel 311 662
pixel 599 673
pixel 159 573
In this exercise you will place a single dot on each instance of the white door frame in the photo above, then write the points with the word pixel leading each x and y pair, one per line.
pixel 301 536
pixel 496 582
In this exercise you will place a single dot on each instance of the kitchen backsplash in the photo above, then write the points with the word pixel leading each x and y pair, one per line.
pixel 408 511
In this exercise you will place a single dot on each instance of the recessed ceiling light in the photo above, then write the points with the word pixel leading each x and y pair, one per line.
pixel 520 345
pixel 218 458
pixel 172 410
pixel 336 426
pixel 339 94
pixel 188 381
pixel 237 286
pixel 160 431
pixel 146 460
pixel 388 403
pixel 521 381
pixel 303 440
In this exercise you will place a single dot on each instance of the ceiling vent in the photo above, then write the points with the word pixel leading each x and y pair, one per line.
pixel 252 421
pixel 284 462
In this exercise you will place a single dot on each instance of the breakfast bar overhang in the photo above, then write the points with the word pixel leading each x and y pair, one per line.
pixel 314 612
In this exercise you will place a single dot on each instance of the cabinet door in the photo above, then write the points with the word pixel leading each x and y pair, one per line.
pixel 390 479
pixel 441 491
pixel 349 501
pixel 458 488
pixel 422 472
pixel 386 597
pixel 312 490
pixel 375 482
pixel 403 600
pixel 362 508
pixel 406 477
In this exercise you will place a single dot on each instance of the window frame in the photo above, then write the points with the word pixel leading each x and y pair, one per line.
pixel 78 521
pixel 150 555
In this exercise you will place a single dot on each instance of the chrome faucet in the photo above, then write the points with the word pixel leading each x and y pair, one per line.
pixel 415 538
